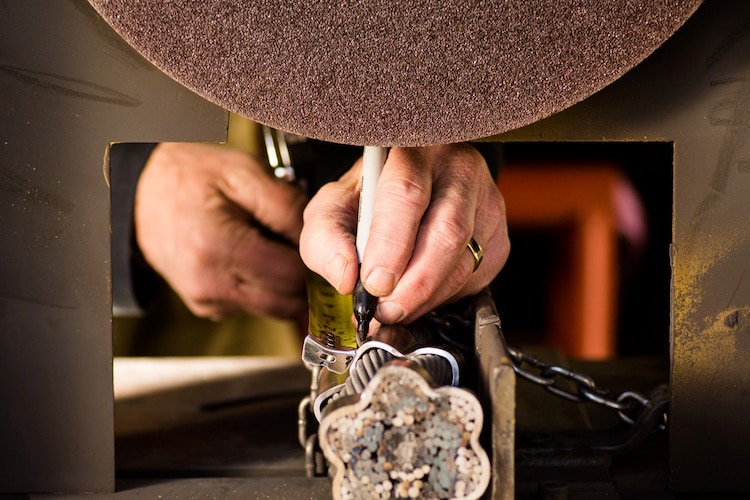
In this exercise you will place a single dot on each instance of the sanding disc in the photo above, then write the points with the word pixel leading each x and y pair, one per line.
pixel 384 72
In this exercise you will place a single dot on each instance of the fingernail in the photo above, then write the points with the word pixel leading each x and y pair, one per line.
pixel 380 282
pixel 390 312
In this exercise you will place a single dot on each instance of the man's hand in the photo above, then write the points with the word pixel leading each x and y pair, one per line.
pixel 221 231
pixel 429 203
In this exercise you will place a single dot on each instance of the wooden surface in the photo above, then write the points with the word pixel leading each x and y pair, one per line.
pixel 209 427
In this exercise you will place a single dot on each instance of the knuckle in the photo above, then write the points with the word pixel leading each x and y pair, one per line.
pixel 451 235
pixel 411 194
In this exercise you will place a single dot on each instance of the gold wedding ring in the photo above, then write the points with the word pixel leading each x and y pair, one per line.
pixel 476 252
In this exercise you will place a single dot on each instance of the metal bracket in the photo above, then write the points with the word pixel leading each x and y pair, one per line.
pixel 335 360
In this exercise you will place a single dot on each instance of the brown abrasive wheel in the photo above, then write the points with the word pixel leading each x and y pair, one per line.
pixel 378 72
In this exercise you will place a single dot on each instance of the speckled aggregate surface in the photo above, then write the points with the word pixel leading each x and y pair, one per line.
pixel 379 72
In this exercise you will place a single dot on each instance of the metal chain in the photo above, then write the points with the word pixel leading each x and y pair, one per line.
pixel 629 405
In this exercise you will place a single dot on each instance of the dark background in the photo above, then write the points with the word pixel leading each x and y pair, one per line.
pixel 521 289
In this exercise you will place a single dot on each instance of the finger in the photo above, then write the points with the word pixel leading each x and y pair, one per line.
pixel 401 198
pixel 441 264
pixel 274 265
pixel 327 243
pixel 257 299
pixel 442 267
pixel 225 284
pixel 275 204
pixel 254 256
pixel 493 239
pixel 439 273
pixel 250 298
pixel 230 267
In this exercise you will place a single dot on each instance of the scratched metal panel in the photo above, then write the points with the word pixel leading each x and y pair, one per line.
pixel 55 381
pixel 695 93
pixel 68 86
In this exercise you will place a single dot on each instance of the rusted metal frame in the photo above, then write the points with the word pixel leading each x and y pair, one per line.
pixel 497 386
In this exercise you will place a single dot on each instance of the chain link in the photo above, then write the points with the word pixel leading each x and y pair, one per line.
pixel 629 405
